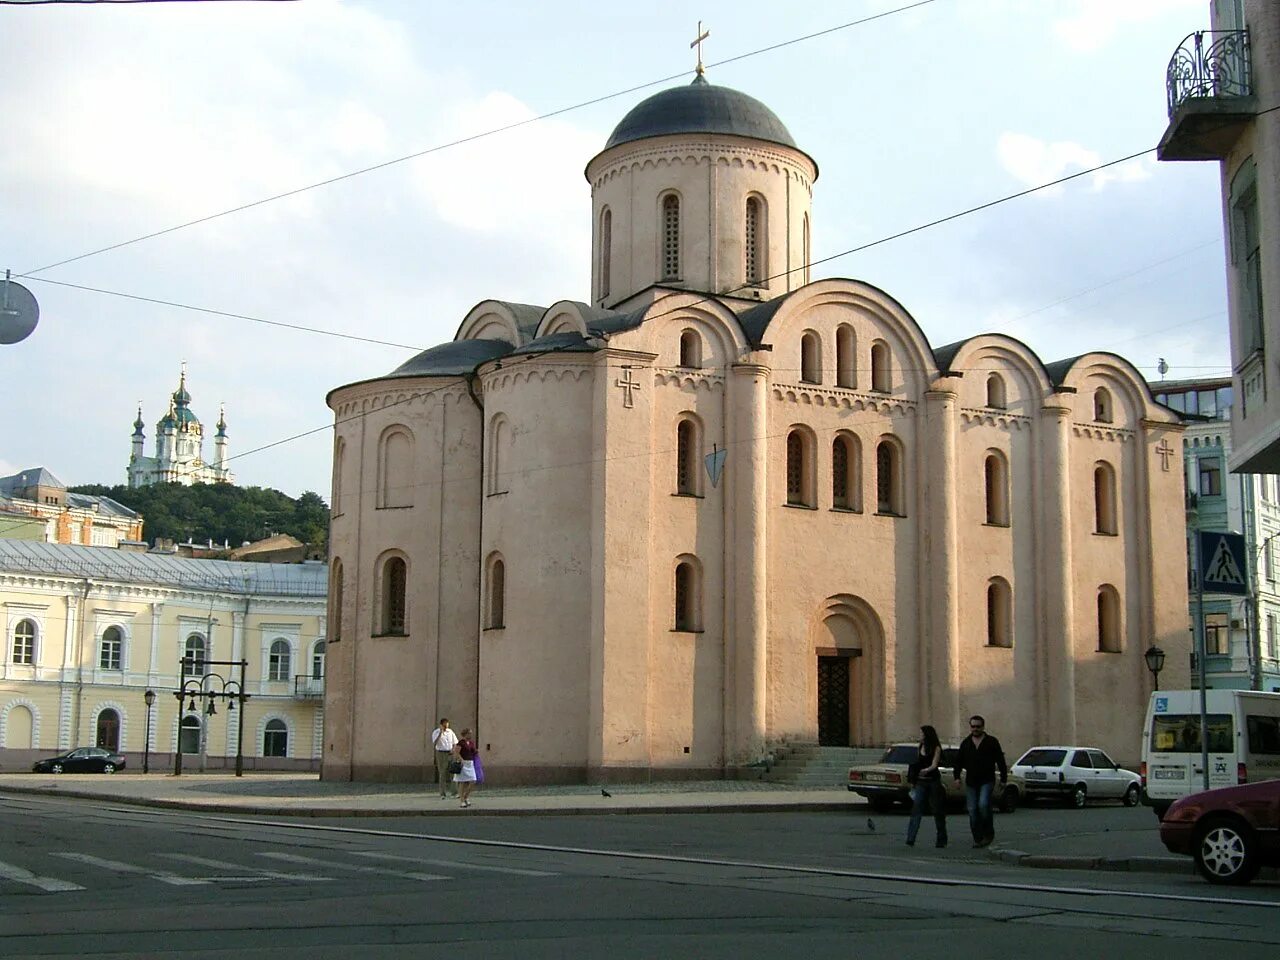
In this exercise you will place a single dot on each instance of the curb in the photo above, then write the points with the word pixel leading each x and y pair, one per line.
pixel 1119 864
pixel 261 810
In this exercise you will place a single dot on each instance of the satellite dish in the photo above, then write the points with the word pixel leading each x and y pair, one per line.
pixel 18 311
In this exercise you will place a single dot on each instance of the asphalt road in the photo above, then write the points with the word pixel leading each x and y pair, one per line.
pixel 85 879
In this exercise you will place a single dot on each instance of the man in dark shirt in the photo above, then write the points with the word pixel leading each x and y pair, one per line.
pixel 980 757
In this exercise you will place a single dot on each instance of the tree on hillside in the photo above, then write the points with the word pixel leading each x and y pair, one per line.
pixel 220 512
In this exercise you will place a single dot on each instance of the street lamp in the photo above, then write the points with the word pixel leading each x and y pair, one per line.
pixel 1155 662
pixel 150 698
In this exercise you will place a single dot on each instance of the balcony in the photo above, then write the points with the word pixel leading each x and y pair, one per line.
pixel 307 687
pixel 1210 85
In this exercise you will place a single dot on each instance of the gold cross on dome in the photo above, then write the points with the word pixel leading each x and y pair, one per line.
pixel 702 35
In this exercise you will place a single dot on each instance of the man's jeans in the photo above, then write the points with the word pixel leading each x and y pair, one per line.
pixel 977 801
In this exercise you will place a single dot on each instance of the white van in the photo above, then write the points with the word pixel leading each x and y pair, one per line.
pixel 1244 742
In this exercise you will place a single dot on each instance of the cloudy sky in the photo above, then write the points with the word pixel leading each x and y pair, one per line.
pixel 125 120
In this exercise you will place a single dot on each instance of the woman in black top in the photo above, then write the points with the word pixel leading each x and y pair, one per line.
pixel 927 787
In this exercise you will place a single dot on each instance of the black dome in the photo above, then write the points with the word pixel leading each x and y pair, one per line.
pixel 700 108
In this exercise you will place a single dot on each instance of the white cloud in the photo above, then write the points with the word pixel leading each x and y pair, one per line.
pixel 1033 161
pixel 1096 22
pixel 524 181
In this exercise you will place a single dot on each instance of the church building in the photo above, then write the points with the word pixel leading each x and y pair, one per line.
pixel 179 446
pixel 718 507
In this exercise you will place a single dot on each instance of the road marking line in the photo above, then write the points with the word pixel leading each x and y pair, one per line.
pixel 260 873
pixel 9 872
pixel 339 865
pixel 456 865
pixel 1078 891
pixel 164 876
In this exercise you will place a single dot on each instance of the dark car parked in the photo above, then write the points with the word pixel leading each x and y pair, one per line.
pixel 1231 831
pixel 81 760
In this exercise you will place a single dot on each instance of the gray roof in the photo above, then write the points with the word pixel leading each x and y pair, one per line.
pixel 701 107
pixel 36 476
pixel 123 566
pixel 457 358
pixel 105 505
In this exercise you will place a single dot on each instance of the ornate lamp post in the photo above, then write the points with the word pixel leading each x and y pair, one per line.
pixel 150 698
pixel 1155 662
pixel 229 691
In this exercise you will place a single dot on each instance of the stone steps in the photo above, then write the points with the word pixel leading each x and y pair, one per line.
pixel 809 765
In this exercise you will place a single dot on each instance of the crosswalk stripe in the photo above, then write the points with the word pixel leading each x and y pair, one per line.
pixel 338 865
pixel 9 872
pixel 225 865
pixel 455 865
pixel 164 876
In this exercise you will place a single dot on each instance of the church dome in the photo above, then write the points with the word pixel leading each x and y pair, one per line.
pixel 700 107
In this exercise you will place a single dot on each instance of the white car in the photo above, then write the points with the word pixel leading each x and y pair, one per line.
pixel 1078 774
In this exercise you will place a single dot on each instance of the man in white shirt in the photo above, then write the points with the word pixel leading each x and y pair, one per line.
pixel 444 740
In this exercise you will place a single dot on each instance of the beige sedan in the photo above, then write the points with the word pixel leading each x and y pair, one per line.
pixel 884 784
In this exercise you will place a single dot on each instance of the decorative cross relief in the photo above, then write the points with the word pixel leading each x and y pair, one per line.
pixel 628 386
pixel 1164 451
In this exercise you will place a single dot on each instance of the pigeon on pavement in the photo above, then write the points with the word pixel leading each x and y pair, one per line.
pixel 605 793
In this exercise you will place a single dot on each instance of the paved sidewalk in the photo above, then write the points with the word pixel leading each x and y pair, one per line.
pixel 1134 847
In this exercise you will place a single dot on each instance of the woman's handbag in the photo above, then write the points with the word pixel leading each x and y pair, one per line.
pixel 455 766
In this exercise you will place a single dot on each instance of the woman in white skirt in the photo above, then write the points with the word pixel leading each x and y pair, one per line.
pixel 466 779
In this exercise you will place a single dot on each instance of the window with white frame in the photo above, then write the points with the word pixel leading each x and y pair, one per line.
pixel 278 660
pixel 194 656
pixel 24 642
pixel 317 661
pixel 110 649
pixel 275 739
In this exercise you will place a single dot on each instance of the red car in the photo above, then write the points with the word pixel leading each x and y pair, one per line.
pixel 1231 831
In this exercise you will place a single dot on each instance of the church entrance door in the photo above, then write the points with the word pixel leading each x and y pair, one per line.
pixel 833 701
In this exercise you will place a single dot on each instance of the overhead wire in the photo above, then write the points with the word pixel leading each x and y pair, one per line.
pixel 468 139
pixel 701 299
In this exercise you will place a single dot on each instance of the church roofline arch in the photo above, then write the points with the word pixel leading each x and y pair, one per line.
pixel 951 356
pixel 682 306
pixel 757 321
pixel 520 321
pixel 582 315
pixel 1121 374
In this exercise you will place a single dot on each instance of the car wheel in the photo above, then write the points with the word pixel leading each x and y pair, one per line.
pixel 55 768
pixel 1131 796
pixel 108 768
pixel 1009 800
pixel 1079 796
pixel 1226 852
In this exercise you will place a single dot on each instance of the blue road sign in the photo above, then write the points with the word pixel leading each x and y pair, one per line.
pixel 1222 562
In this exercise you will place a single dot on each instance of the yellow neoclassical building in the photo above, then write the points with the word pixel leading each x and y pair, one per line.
pixel 89 630
pixel 719 506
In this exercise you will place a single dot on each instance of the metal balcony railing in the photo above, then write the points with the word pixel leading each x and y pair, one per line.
pixel 1209 63
pixel 307 687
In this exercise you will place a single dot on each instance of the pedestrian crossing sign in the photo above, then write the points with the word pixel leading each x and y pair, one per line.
pixel 1222 560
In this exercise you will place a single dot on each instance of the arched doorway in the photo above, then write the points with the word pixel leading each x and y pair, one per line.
pixel 851 682
pixel 108 736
